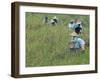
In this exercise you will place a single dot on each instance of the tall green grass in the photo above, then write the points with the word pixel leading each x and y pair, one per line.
pixel 47 45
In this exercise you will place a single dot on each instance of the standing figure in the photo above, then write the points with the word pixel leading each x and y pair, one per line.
pixel 45 20
pixel 71 24
pixel 78 24
pixel 54 20
pixel 75 24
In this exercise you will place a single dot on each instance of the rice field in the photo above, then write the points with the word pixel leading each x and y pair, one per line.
pixel 48 45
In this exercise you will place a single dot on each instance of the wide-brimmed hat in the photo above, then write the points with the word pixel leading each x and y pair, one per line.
pixel 74 34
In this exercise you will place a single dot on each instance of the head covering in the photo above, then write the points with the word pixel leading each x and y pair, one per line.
pixel 74 34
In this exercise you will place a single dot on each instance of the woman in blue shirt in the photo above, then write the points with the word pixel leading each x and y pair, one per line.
pixel 76 41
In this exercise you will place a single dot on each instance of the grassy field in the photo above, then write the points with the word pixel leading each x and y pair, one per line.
pixel 47 45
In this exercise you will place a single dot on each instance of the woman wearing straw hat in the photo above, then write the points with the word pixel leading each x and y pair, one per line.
pixel 76 41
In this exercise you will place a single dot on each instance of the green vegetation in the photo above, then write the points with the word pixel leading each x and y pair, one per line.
pixel 47 45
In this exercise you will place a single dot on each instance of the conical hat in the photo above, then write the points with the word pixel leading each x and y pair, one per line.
pixel 74 34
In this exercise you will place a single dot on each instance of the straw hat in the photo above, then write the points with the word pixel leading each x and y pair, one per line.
pixel 74 34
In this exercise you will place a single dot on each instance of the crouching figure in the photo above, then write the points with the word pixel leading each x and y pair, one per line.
pixel 77 42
